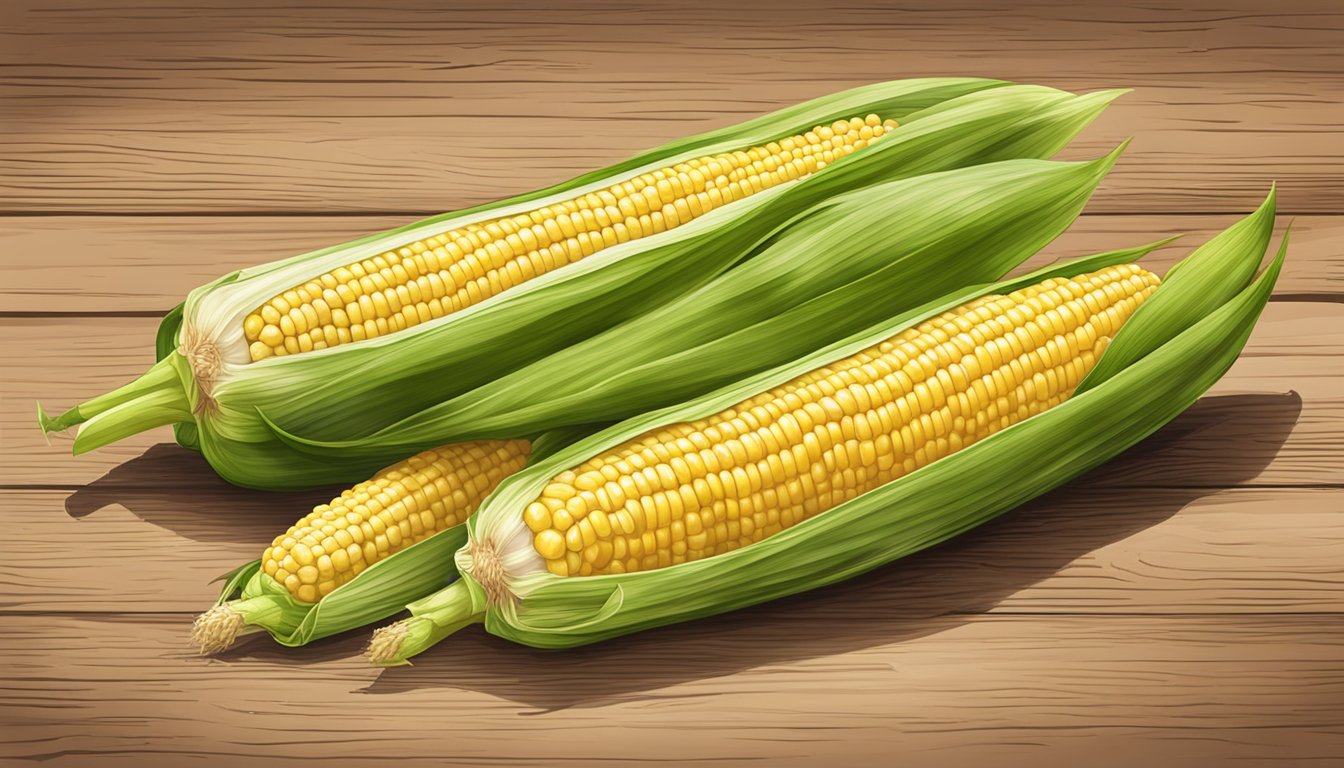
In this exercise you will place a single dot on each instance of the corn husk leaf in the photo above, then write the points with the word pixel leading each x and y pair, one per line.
pixel 354 390
pixel 906 242
pixel 1205 280
pixel 1171 369
pixel 165 344
pixel 443 611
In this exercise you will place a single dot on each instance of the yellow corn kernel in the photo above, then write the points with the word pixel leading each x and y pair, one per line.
pixel 404 504
pixel 698 489
pixel 456 269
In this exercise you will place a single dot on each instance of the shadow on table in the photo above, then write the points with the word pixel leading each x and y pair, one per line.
pixel 930 592
pixel 173 488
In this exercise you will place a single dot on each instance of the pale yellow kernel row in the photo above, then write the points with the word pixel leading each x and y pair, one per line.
pixel 697 489
pixel 400 506
pixel 448 272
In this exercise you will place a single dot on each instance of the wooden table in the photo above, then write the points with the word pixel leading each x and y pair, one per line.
pixel 1181 606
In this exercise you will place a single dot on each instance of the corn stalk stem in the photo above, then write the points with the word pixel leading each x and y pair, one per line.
pixel 435 618
pixel 156 399
pixel 216 630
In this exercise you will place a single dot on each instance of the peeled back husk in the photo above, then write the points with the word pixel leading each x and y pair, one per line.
pixel 354 390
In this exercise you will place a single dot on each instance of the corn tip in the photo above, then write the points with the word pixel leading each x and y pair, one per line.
pixel 385 645
pixel 216 630
pixel 44 423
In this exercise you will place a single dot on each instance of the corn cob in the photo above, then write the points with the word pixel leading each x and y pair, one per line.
pixel 448 272
pixel 886 443
pixel 1000 212
pixel 698 489
pixel 402 505
pixel 375 523
pixel 1053 192
pixel 239 411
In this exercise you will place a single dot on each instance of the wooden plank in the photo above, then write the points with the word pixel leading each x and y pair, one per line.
pixel 1180 606
pixel 93 264
pixel 1083 549
pixel 949 691
pixel 149 263
pixel 1294 348
pixel 206 106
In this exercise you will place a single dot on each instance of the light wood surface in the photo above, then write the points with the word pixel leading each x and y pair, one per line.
pixel 143 265
pixel 191 106
pixel 958 690
pixel 1085 549
pixel 1180 606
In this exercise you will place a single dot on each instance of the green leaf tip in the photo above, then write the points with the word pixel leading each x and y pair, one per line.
pixel 44 422
pixel 49 424
pixel 1104 98
pixel 1114 154
pixel 1157 245
pixel 1102 166
pixel 1214 274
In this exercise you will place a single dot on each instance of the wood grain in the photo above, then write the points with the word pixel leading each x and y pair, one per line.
pixel 1294 348
pixel 1180 606
pixel 203 105
pixel 947 691
pixel 1084 549
pixel 146 264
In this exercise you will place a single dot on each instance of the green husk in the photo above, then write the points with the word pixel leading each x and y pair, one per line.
pixel 443 612
pixel 900 238
pixel 1171 368
pixel 263 604
pixel 165 344
pixel 354 390
pixel 1205 280
pixel 252 601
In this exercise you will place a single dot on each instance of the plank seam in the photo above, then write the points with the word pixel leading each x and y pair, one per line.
pixel 80 314
pixel 422 214
pixel 75 614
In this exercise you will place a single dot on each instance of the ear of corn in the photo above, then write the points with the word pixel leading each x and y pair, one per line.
pixel 403 505
pixel 448 272
pixel 506 582
pixel 353 389
pixel 701 488
pixel 439 614
pixel 1018 206
pixel 363 556
pixel 900 239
